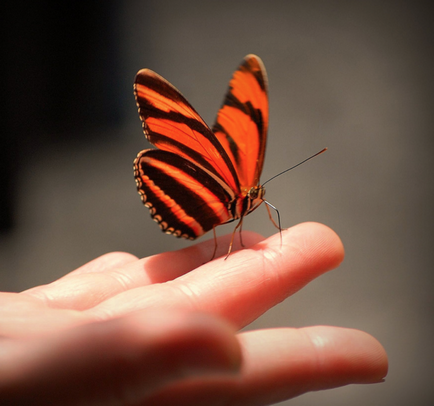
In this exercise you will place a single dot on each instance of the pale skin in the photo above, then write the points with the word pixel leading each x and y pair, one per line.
pixel 164 330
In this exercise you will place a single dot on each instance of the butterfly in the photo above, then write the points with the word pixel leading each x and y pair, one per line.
pixel 200 178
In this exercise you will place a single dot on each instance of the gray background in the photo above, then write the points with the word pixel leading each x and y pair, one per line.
pixel 353 76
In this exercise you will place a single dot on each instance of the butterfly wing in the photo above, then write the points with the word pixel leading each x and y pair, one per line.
pixel 171 124
pixel 189 182
pixel 183 199
pixel 242 122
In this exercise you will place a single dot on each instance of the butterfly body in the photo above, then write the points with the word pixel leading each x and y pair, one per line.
pixel 200 178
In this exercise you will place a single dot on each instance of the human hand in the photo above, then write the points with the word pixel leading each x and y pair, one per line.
pixel 162 330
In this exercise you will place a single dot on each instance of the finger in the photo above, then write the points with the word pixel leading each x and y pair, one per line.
pixel 171 265
pixel 245 285
pixel 105 263
pixel 118 272
pixel 24 316
pixel 280 364
pixel 312 359
pixel 116 362
pixel 85 286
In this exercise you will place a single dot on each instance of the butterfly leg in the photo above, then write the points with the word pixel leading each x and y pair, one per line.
pixel 215 243
pixel 278 226
pixel 239 225
pixel 241 236
pixel 268 205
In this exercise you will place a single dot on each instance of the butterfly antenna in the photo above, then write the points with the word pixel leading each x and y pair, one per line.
pixel 295 166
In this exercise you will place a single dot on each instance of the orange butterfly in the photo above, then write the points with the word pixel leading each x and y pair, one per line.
pixel 199 178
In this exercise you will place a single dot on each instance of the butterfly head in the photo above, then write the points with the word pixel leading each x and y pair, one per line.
pixel 256 192
pixel 255 196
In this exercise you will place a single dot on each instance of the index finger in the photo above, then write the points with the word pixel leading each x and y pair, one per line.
pixel 246 285
pixel 117 272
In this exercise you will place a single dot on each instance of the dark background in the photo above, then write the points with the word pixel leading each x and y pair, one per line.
pixel 353 76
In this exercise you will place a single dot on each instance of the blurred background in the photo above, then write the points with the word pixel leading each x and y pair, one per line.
pixel 353 76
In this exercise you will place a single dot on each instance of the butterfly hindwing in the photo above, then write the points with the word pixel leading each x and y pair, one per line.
pixel 182 198
pixel 242 122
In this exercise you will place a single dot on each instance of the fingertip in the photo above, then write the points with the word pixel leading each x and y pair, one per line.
pixel 351 355
pixel 375 359
pixel 317 242
pixel 329 242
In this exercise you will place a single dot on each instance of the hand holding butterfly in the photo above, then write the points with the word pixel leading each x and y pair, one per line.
pixel 162 330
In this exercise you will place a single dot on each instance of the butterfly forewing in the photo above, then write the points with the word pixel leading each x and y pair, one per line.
pixel 171 124
pixel 242 122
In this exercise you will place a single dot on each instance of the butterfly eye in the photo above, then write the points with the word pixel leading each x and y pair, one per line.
pixel 257 192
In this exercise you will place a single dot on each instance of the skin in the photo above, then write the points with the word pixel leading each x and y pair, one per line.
pixel 163 330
